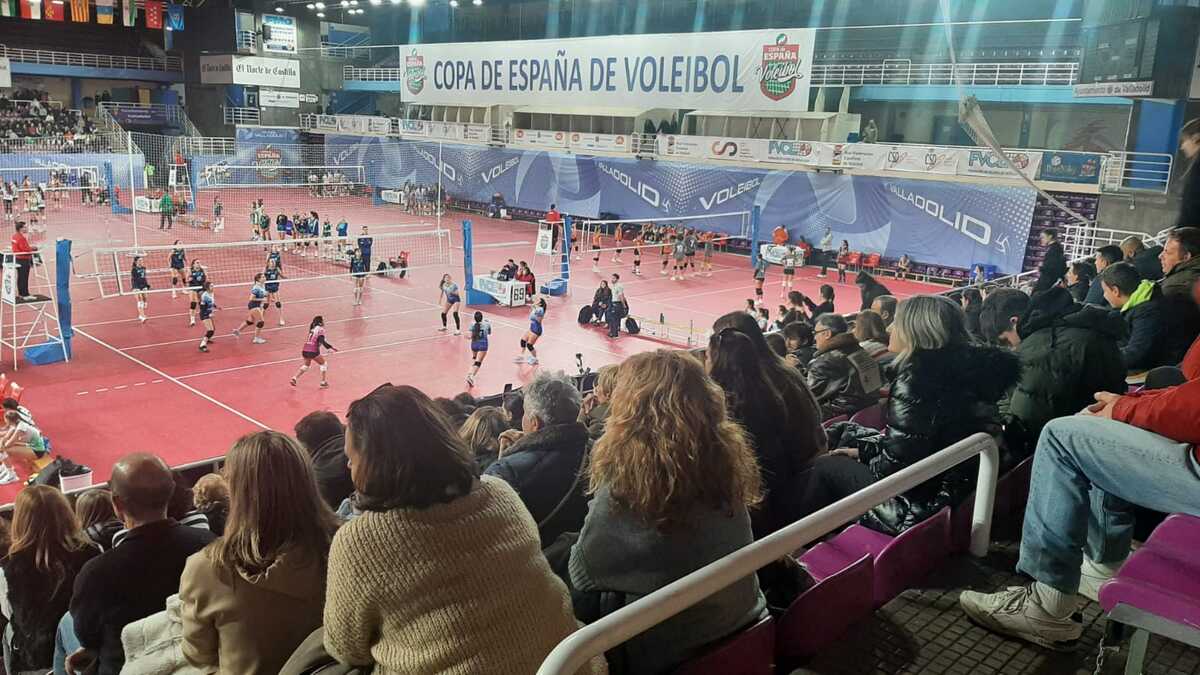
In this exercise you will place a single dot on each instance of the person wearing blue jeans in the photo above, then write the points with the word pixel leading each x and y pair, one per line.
pixel 1089 470
pixel 65 644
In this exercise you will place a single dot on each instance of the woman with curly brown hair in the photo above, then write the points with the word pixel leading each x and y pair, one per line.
pixel 671 479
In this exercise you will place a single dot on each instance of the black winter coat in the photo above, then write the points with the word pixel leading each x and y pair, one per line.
pixel 1147 263
pixel 843 377
pixel 332 470
pixel 38 604
pixel 1053 267
pixel 1146 347
pixel 1179 309
pixel 1068 352
pixel 869 288
pixel 542 467
pixel 938 398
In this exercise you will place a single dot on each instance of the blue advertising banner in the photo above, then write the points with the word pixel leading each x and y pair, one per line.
pixel 139 116
pixel 1070 167
pixel 262 135
pixel 953 224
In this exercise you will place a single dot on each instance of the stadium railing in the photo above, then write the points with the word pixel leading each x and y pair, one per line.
pixel 905 72
pixel 596 638
pixel 235 115
pixel 356 74
pixel 1136 171
pixel 56 58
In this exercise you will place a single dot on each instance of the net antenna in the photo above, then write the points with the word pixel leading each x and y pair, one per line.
pixel 973 121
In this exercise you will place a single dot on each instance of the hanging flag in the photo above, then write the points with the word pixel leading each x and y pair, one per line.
pixel 31 9
pixel 129 12
pixel 55 11
pixel 174 17
pixel 9 8
pixel 79 11
pixel 154 13
pixel 104 11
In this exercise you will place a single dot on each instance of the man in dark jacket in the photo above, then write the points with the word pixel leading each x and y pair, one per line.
pixel 1068 352
pixel 885 306
pixel 1140 304
pixel 843 377
pixel 1054 262
pixel 1105 256
pixel 870 289
pixel 545 466
pixel 134 579
pixel 324 438
pixel 1144 259
pixel 1180 259
pixel 826 306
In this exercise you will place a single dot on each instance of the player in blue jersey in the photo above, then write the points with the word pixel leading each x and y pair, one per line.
pixel 197 277
pixel 448 296
pixel 218 214
pixel 208 305
pixel 480 330
pixel 137 277
pixel 358 269
pixel 343 234
pixel 760 278
pixel 365 242
pixel 256 311
pixel 272 275
pixel 536 316
pixel 178 267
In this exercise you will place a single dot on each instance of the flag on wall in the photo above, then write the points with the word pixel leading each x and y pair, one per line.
pixel 174 17
pixel 9 8
pixel 104 11
pixel 79 11
pixel 154 13
pixel 129 12
pixel 31 9
pixel 55 11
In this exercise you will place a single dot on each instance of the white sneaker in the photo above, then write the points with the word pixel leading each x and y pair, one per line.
pixel 457 331
pixel 191 322
pixel 1013 612
pixel 442 329
pixel 532 360
pixel 1092 576
pixel 142 319
pixel 7 477
pixel 259 341
pixel 281 322
pixel 470 380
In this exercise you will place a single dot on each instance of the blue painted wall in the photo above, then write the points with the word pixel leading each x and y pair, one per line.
pixel 45 70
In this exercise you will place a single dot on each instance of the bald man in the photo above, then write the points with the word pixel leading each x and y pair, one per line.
pixel 134 579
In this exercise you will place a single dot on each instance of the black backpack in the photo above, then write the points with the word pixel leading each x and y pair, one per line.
pixel 585 314
pixel 632 326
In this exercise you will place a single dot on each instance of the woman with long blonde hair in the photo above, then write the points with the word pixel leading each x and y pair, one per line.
pixel 37 576
pixel 671 479
pixel 252 596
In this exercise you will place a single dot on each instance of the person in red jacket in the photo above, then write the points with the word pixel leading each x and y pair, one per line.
pixel 23 253
pixel 1089 470
pixel 525 274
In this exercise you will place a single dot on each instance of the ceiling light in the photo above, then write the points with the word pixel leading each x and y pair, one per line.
pixel 345 3
pixel 310 6
pixel 477 3
pixel 279 9
pixel 354 3
pixel 319 5
pixel 416 3
pixel 376 2
pixel 454 3
pixel 320 15
pixel 395 2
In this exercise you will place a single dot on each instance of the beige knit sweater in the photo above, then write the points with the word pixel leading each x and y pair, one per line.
pixel 459 588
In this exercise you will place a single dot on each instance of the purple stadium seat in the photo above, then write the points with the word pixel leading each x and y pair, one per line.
pixel 871 417
pixel 900 562
pixel 750 652
pixel 823 613
pixel 1158 588
pixel 834 420
pixel 1012 491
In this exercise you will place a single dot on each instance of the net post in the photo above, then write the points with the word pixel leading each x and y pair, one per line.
pixel 62 295
pixel 755 218
pixel 474 297
pixel 565 270
pixel 132 183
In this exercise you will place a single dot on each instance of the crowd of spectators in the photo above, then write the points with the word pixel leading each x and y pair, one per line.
pixel 29 118
pixel 422 535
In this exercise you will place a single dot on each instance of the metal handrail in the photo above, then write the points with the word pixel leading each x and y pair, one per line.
pixel 977 74
pixel 596 638
pixel 234 115
pixel 356 74
pixel 246 41
pixel 1136 171
pixel 56 58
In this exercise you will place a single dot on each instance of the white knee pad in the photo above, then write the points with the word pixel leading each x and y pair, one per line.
pixel 324 368
pixel 304 369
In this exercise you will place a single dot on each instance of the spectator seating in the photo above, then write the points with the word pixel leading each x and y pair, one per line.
pixel 854 259
pixel 899 562
pixel 870 262
pixel 1158 588
pixel 749 652
pixel 823 613
pixel 1012 490
pixel 872 417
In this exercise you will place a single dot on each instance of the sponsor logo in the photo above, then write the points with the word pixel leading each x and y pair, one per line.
pixel 414 73
pixel 792 149
pixel 931 159
pixel 499 170
pixel 725 149
pixel 646 193
pixel 990 160
pixel 965 223
pixel 780 69
pixel 267 160
pixel 448 171
pixel 727 193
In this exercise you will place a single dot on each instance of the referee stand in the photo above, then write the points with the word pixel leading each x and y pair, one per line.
pixel 34 326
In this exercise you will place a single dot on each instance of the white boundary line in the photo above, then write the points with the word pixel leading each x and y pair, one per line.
pixel 176 380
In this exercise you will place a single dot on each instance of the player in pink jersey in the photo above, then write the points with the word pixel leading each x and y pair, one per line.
pixel 312 350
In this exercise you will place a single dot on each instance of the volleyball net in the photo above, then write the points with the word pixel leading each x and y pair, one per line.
pixel 321 180
pixel 302 259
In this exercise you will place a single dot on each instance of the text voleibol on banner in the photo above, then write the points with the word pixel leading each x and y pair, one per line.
pixel 731 70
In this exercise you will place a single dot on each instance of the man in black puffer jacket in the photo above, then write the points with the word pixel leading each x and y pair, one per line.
pixel 545 466
pixel 323 437
pixel 1068 353
pixel 843 376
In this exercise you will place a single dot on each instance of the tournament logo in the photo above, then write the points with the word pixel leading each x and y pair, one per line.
pixel 414 73
pixel 780 69
pixel 722 148
pixel 266 161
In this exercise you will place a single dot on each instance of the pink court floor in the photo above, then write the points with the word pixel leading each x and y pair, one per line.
pixel 145 387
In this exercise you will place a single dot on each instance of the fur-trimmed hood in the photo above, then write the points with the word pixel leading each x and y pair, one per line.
pixel 991 370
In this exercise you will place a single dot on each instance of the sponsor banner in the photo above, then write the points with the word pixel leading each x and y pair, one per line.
pixel 477 133
pixel 773 253
pixel 1126 89
pixel 326 123
pixel 541 139
pixel 309 98
pixel 918 159
pixel 1070 167
pixel 712 147
pixel 947 223
pixel 9 292
pixel 145 204
pixel 137 115
pixel 507 293
pixel 267 135
pixel 800 152
pixel 860 156
pixel 414 128
pixel 252 70
pixel 391 196
pixel 352 124
pixel 379 125
pixel 5 73
pixel 283 34
pixel 447 131
pixel 603 142
pixel 767 70
pixel 987 163
pixel 277 98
